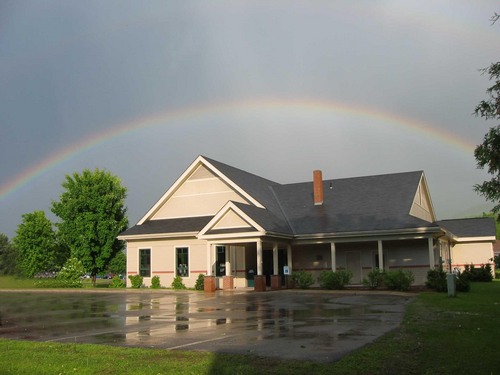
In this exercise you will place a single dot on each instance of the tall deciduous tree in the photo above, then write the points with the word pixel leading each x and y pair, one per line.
pixel 488 153
pixel 92 212
pixel 8 256
pixel 35 242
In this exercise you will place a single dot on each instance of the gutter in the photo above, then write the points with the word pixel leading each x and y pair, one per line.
pixel 376 233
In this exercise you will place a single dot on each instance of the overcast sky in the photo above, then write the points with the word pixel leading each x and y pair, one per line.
pixel 277 88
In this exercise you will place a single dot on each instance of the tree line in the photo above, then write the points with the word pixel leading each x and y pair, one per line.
pixel 91 213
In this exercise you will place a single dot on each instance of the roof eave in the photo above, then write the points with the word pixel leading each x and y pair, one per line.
pixel 226 236
pixel 475 239
pixel 155 236
pixel 420 231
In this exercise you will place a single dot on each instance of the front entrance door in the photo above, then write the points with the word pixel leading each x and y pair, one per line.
pixel 353 263
pixel 220 264
pixel 267 265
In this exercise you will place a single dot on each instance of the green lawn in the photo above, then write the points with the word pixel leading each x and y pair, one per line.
pixel 439 335
pixel 12 282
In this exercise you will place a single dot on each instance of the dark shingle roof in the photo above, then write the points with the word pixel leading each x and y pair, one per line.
pixel 380 202
pixel 371 203
pixel 181 225
pixel 473 227
pixel 266 219
pixel 258 187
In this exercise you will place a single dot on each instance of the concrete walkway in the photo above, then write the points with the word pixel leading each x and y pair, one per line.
pixel 294 324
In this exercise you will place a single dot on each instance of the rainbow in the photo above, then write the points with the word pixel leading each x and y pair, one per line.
pixel 217 108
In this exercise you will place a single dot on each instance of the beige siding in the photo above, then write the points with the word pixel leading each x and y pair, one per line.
pixel 312 258
pixel 477 253
pixel 163 260
pixel 411 255
pixel 422 207
pixel 231 220
pixel 202 194
pixel 406 253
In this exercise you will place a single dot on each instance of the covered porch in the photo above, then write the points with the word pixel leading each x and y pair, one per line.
pixel 265 262
pixel 257 263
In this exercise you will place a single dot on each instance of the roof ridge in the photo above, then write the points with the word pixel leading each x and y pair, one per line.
pixel 282 210
pixel 239 169
pixel 356 177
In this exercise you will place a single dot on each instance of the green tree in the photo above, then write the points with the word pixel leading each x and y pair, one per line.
pixel 487 154
pixel 92 213
pixel 118 265
pixel 36 244
pixel 8 256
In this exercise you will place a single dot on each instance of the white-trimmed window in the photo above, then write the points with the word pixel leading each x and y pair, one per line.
pixel 182 261
pixel 145 262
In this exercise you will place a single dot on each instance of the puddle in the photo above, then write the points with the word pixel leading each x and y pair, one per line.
pixel 265 324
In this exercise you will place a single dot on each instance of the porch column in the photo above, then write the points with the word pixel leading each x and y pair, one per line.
pixel 288 278
pixel 228 260
pixel 213 258
pixel 333 255
pixel 275 259
pixel 381 264
pixel 289 257
pixel 209 284
pixel 259 279
pixel 275 277
pixel 431 253
pixel 209 259
pixel 259 257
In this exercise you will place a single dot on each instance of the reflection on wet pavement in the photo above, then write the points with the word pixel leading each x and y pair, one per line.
pixel 290 324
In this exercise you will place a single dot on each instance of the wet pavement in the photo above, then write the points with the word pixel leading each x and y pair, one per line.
pixel 291 324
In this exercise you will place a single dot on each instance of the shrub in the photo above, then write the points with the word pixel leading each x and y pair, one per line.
pixel 436 279
pixel 200 282
pixel 462 283
pixel 497 274
pixel 155 282
pixel 136 281
pixel 177 283
pixel 55 283
pixel 399 280
pixel 375 279
pixel 70 275
pixel 303 279
pixel 482 273
pixel 334 280
pixel 116 282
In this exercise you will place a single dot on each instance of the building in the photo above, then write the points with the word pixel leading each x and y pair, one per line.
pixel 248 231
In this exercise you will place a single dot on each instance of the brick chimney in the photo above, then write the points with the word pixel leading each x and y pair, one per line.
pixel 318 187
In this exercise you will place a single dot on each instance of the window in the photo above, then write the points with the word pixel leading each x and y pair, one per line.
pixel 182 261
pixel 220 268
pixel 145 262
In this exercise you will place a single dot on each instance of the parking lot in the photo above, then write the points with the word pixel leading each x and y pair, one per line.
pixel 310 325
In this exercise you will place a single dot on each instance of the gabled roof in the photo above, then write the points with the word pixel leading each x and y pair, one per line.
pixel 361 204
pixel 472 227
pixel 258 187
pixel 219 169
pixel 369 203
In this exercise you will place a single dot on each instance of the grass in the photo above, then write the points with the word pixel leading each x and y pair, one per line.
pixel 13 282
pixel 439 335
